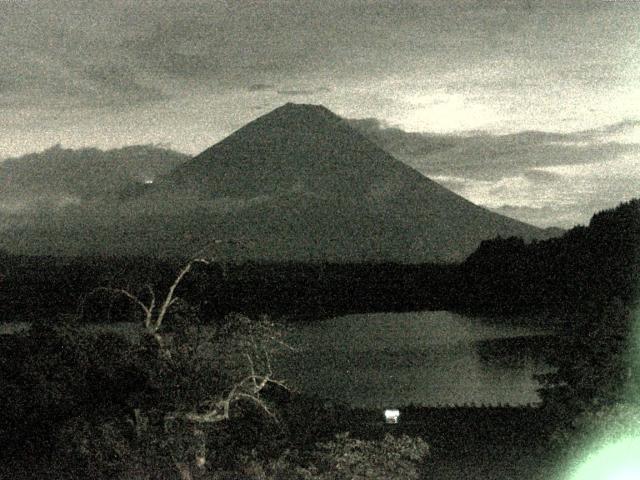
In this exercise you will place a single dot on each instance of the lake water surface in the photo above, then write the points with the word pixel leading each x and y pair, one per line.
pixel 394 359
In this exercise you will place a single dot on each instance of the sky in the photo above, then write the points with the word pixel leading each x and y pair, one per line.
pixel 537 103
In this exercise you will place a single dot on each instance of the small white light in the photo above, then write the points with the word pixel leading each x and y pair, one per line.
pixel 391 415
pixel 148 182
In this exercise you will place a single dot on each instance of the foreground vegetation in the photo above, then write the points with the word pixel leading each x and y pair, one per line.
pixel 183 401
pixel 186 402
pixel 192 407
pixel 178 401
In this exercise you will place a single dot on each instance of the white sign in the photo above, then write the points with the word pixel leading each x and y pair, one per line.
pixel 391 415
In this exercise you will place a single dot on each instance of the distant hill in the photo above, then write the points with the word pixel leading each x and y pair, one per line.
pixel 60 176
pixel 575 274
pixel 297 184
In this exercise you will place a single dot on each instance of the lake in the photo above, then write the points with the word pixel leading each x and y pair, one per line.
pixel 426 358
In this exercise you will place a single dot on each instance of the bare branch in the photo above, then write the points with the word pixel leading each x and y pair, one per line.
pixel 219 410
pixel 152 305
pixel 252 367
pixel 169 299
pixel 209 417
pixel 280 383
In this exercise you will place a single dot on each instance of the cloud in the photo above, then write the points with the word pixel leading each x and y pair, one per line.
pixel 543 178
pixel 303 91
pixel 485 156
pixel 227 42
pixel 232 43
pixel 57 76
pixel 559 200
pixel 618 127
pixel 399 142
pixel 115 84
pixel 372 56
pixel 47 202
pixel 568 201
pixel 542 216
pixel 259 87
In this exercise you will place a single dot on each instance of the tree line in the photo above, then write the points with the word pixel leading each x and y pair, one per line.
pixel 587 266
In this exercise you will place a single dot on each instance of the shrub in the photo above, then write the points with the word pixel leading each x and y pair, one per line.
pixel 347 458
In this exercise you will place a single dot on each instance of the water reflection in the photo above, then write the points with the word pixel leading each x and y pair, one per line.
pixel 425 358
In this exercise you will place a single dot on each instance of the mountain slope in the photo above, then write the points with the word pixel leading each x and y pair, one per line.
pixel 297 184
pixel 318 189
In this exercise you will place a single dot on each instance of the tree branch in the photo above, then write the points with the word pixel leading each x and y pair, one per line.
pixel 169 299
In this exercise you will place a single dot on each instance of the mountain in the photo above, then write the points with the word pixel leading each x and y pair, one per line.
pixel 308 186
pixel 297 184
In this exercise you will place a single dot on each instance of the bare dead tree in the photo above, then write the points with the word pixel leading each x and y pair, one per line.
pixel 154 313
pixel 254 374
pixel 257 353
pixel 250 350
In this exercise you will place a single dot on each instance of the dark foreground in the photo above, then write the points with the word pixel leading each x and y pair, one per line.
pixel 465 443
pixel 476 443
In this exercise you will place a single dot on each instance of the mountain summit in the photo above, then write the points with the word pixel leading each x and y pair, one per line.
pixel 296 184
pixel 304 185
pixel 293 147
